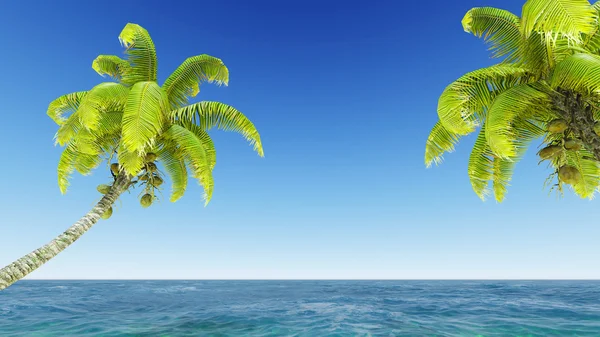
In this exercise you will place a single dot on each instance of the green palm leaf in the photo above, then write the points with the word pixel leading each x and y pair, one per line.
pixel 536 55
pixel 463 103
pixel 579 72
pixel 207 143
pixel 222 116
pixel 144 116
pixel 68 129
pixel 589 168
pixel 141 54
pixel 65 167
pixel 525 132
pixel 109 123
pixel 86 163
pixel 481 165
pixel 83 153
pixel 185 80
pixel 519 102
pixel 439 141
pixel 502 174
pixel 174 164
pixel 500 28
pixel 591 41
pixel 111 65
pixel 63 105
pixel 193 150
pixel 108 96
pixel 131 161
pixel 485 166
pixel 87 143
pixel 554 18
pixel 83 161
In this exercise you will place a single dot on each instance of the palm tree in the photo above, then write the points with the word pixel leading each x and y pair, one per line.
pixel 546 86
pixel 141 124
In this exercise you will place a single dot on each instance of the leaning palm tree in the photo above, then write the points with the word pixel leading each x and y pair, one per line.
pixel 139 124
pixel 545 87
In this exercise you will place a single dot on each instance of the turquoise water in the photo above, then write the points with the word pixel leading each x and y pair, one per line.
pixel 300 308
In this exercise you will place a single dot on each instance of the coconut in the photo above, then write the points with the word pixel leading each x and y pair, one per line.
pixel 569 174
pixel 144 177
pixel 597 128
pixel 156 181
pixel 557 126
pixel 146 200
pixel 572 145
pixel 549 152
pixel 103 188
pixel 150 157
pixel 107 214
pixel 114 167
pixel 151 167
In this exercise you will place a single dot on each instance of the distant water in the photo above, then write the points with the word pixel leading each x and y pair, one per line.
pixel 300 308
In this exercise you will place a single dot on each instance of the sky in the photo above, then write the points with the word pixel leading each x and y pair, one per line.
pixel 343 93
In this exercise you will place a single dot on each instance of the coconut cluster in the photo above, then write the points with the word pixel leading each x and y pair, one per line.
pixel 151 177
pixel 566 173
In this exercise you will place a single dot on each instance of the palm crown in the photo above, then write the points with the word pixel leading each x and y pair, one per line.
pixel 546 86
pixel 139 121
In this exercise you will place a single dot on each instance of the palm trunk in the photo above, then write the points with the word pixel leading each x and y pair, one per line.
pixel 30 262
pixel 580 116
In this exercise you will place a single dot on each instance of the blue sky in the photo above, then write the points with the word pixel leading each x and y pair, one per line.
pixel 344 95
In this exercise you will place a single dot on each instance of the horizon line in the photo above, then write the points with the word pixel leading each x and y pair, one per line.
pixel 323 279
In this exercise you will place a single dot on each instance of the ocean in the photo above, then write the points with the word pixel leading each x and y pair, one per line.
pixel 300 308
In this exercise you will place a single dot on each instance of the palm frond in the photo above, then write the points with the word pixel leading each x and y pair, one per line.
pixel 144 116
pixel 207 143
pixel 563 49
pixel 65 167
pixel 439 141
pixel 141 54
pixel 184 82
pixel 131 161
pixel 109 123
pixel 107 96
pixel 579 72
pixel 68 129
pixel 525 132
pixel 63 105
pixel 193 150
pixel 536 54
pixel 463 103
pixel 86 163
pixel 82 153
pixel 518 102
pixel 108 143
pixel 481 165
pixel 111 65
pixel 591 41
pixel 498 27
pixel 87 143
pixel 174 164
pixel 502 174
pixel 214 114
pixel 485 166
pixel 554 18
pixel 589 168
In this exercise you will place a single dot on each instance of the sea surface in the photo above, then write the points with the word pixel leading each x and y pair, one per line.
pixel 300 308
